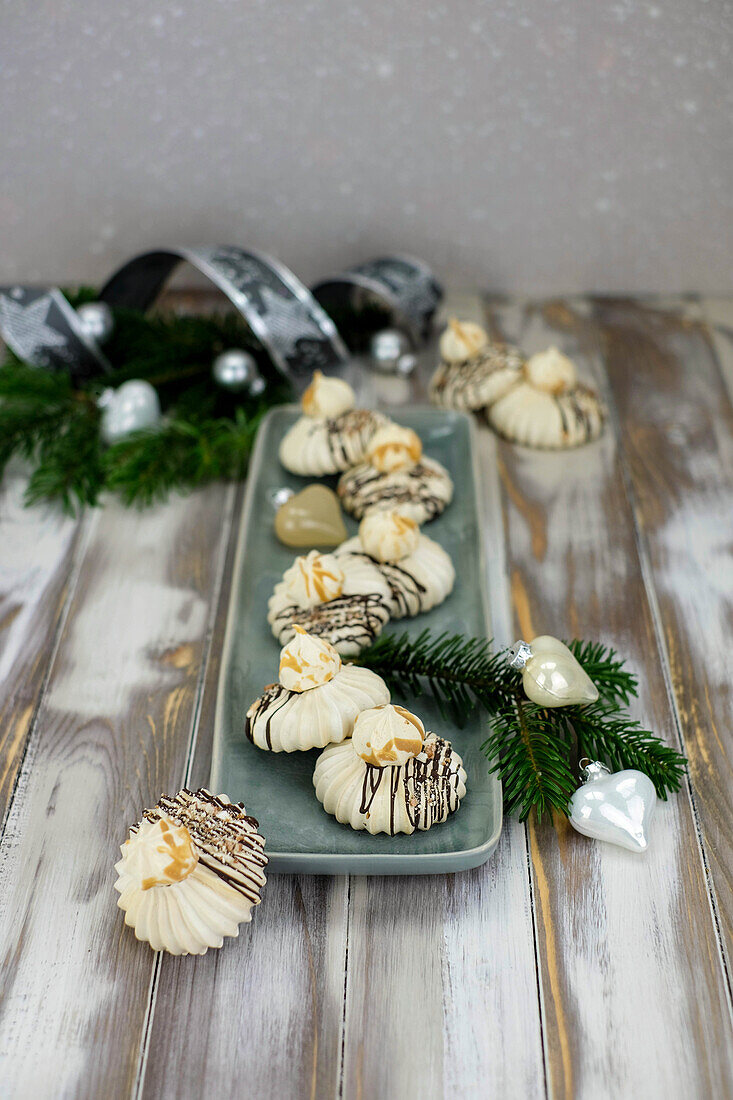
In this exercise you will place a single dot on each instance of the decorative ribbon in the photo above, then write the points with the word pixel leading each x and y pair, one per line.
pixel 292 324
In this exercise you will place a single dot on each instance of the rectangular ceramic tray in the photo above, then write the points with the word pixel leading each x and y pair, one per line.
pixel 277 787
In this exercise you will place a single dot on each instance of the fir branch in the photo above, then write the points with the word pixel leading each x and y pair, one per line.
pixel 532 764
pixel 607 734
pixel 147 465
pixel 531 748
pixel 459 672
pixel 606 670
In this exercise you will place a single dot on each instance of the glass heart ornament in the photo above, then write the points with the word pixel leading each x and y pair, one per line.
pixel 551 676
pixel 617 807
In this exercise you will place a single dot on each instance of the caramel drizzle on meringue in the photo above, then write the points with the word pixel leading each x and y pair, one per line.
pixel 316 575
pixel 407 452
pixel 184 856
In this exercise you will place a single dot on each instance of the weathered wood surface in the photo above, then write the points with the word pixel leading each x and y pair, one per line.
pixel 563 967
pixel 112 732
pixel 36 552
pixel 616 979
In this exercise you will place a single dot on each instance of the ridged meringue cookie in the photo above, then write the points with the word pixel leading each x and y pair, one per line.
pixel 351 605
pixel 394 448
pixel 549 408
pixel 394 798
pixel 462 340
pixel 190 872
pixel 388 535
pixel 310 708
pixel 327 397
pixel 420 492
pixel 477 382
pixel 331 435
pixel 419 572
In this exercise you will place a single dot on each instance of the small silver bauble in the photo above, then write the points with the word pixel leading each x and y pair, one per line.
pixel 96 321
pixel 406 364
pixel 236 370
pixel 131 407
pixel 387 347
pixel 614 806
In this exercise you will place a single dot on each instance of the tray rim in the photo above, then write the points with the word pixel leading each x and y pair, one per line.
pixel 334 863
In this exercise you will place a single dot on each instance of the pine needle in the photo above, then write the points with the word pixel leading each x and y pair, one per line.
pixel 531 748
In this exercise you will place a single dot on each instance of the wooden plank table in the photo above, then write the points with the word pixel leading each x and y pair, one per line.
pixel 562 967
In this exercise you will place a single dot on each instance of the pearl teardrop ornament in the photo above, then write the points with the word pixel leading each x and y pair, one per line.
pixel 551 676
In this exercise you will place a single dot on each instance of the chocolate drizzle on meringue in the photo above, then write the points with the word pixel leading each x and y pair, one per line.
pixel 364 488
pixel 429 782
pixel 356 618
pixel 223 834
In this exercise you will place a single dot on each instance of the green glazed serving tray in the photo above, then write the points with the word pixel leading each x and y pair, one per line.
pixel 277 788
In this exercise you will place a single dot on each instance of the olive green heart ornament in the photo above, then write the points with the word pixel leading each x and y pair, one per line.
pixel 311 518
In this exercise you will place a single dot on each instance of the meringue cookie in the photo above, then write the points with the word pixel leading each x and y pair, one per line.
pixel 387 735
pixel 316 446
pixel 307 662
pixel 549 408
pixel 418 581
pixel 313 578
pixel 327 397
pixel 462 340
pixel 421 492
pixel 397 798
pixel 394 448
pixel 190 872
pixel 350 620
pixel 479 381
pixel 297 714
pixel 388 535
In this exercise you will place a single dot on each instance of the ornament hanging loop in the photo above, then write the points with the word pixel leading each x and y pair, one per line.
pixel 592 769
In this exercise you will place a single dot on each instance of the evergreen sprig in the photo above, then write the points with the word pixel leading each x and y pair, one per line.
pixel 206 433
pixel 532 748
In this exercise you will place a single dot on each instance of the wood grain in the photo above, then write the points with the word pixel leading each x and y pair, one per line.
pixel 36 554
pixel 629 956
pixel 442 980
pixel 677 439
pixel 267 1011
pixel 112 732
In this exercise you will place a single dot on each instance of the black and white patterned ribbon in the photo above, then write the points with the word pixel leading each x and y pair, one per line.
pixel 292 323
pixel 404 285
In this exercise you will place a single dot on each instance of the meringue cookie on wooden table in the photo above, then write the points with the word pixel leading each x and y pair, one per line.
pixel 548 408
pixel 316 700
pixel 191 872
pixel 473 372
pixel 331 435
pixel 392 776
pixel 419 572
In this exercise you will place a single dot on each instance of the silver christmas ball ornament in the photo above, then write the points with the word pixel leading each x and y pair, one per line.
pixel 236 370
pixel 406 364
pixel 96 321
pixel 387 347
pixel 131 407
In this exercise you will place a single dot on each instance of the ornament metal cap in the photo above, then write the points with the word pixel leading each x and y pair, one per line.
pixel 592 769
pixel 519 654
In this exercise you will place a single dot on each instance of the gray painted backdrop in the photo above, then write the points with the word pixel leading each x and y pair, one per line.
pixel 542 145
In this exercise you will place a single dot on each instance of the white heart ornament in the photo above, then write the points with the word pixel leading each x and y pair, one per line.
pixel 616 807
pixel 551 676
pixel 134 405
